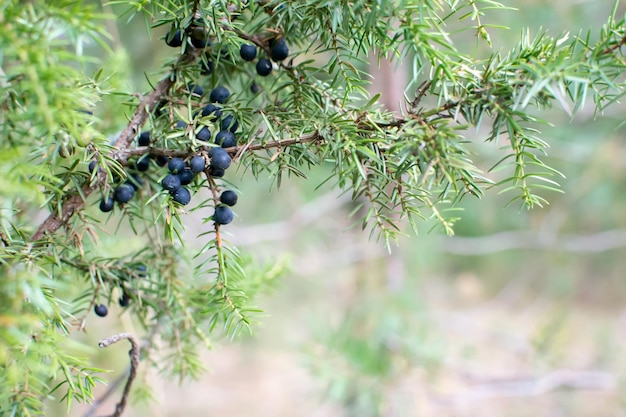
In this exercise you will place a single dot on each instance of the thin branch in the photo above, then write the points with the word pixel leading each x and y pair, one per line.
pixel 614 47
pixel 5 239
pixel 311 137
pixel 76 202
pixel 133 353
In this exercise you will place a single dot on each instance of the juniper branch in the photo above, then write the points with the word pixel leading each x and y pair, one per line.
pixel 133 353
pixel 75 202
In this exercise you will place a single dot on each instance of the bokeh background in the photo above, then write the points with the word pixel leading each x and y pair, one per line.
pixel 522 313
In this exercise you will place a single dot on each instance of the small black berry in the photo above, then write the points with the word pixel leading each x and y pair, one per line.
pixel 229 197
pixel 101 310
pixel 255 88
pixel 144 139
pixel 142 271
pixel 176 165
pixel 247 52
pixel 92 165
pixel 199 37
pixel 223 215
pixel 206 68
pixel 161 160
pixel 124 193
pixel 195 90
pixel 230 123
pixel 211 109
pixel 204 134
pixel 219 94
pixel 279 50
pixel 143 163
pixel 124 300
pixel 186 176
pixel 180 125
pixel 197 164
pixel 219 158
pixel 264 67
pixel 200 43
pixel 216 172
pixel 182 196
pixel 174 39
pixel 135 181
pixel 171 182
pixel 107 204
pixel 226 139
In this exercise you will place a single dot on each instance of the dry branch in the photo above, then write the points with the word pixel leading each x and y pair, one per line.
pixel 76 202
pixel 133 353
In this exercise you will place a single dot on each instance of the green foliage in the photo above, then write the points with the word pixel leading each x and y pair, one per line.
pixel 314 109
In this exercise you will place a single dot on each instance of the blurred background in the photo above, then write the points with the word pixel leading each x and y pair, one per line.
pixel 522 313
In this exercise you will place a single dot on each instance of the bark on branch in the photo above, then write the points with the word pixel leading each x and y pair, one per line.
pixel 133 353
pixel 76 202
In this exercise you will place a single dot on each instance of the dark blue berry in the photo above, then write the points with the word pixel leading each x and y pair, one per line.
pixel 247 52
pixel 144 139
pixel 142 271
pixel 216 172
pixel 124 193
pixel 204 134
pixel 230 123
pixel 197 164
pixel 255 88
pixel 195 90
pixel 174 39
pixel 180 125
pixel 135 181
pixel 206 68
pixel 101 310
pixel 224 55
pixel 279 50
pixel 219 158
pixel 211 109
pixel 182 196
pixel 200 43
pixel 143 163
pixel 107 204
pixel 161 160
pixel 219 94
pixel 186 176
pixel 226 139
pixel 263 67
pixel 124 299
pixel 92 165
pixel 176 165
pixel 199 37
pixel 223 215
pixel 171 182
pixel 229 197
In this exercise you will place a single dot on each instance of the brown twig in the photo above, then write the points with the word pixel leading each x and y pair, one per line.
pixel 311 137
pixel 614 47
pixel 76 202
pixel 133 353
pixel 4 238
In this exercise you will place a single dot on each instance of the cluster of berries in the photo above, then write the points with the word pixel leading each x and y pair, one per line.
pixel 182 171
pixel 140 271
pixel 199 38
pixel 212 112
pixel 279 51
